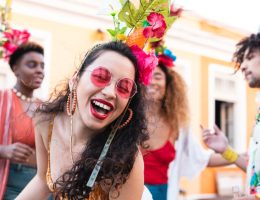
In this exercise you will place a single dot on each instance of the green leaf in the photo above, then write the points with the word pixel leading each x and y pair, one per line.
pixel 170 20
pixel 154 39
pixel 146 23
pixel 111 32
pixel 122 30
pixel 134 17
pixel 122 2
pixel 127 14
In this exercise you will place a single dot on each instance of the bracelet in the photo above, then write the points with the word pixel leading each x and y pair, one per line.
pixel 230 155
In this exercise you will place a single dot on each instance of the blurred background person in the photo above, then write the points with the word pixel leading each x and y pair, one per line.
pixel 172 148
pixel 17 142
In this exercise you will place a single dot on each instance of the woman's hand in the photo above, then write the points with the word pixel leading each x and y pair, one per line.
pixel 16 152
pixel 215 139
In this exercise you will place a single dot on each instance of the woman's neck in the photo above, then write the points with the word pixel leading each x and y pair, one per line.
pixel 154 108
pixel 80 132
pixel 28 92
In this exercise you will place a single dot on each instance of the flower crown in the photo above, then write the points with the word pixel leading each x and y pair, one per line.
pixel 10 40
pixel 139 26
pixel 164 55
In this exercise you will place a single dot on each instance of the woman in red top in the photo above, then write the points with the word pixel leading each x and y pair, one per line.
pixel 17 144
pixel 167 111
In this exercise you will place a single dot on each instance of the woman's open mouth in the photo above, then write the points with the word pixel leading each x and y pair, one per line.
pixel 100 108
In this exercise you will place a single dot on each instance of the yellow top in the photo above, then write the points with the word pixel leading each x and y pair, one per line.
pixel 96 194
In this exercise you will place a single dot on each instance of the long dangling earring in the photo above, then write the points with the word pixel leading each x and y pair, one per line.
pixel 72 102
pixel 128 119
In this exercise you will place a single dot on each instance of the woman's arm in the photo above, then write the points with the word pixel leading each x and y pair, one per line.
pixel 134 186
pixel 37 186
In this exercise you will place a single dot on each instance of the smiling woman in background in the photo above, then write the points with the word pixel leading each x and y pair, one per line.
pixel 17 143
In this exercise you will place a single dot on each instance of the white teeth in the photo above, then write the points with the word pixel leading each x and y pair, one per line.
pixel 101 105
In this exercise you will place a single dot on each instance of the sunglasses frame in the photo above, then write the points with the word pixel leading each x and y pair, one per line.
pixel 116 85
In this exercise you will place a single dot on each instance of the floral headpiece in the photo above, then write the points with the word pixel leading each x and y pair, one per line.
pixel 11 39
pixel 138 26
pixel 164 55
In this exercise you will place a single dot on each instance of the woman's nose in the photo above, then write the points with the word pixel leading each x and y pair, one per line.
pixel 109 91
pixel 40 69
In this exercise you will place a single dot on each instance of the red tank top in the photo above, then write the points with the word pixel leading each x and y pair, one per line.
pixel 21 125
pixel 156 163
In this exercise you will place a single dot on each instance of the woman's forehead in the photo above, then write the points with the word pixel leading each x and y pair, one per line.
pixel 115 62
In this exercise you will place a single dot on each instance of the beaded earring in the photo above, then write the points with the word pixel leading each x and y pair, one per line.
pixel 128 119
pixel 72 102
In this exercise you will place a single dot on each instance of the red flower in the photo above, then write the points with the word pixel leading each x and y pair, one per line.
pixel 17 37
pixel 146 64
pixel 175 11
pixel 14 39
pixel 165 60
pixel 157 26
pixel 9 48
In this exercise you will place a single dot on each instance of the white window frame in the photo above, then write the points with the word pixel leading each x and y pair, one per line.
pixel 240 109
pixel 185 72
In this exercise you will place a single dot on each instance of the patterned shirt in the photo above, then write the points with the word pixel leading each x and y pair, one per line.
pixel 253 169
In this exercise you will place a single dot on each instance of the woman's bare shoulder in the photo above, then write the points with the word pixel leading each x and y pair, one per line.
pixel 42 124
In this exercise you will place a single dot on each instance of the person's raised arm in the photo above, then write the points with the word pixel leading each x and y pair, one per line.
pixel 217 141
pixel 37 186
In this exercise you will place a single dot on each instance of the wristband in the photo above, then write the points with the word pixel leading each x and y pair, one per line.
pixel 230 155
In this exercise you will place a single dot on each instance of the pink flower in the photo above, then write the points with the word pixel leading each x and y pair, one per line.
pixel 157 26
pixel 175 11
pixel 9 49
pixel 17 37
pixel 146 64
pixel 14 39
pixel 165 60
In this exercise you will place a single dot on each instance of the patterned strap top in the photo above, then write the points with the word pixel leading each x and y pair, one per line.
pixel 96 194
pixel 48 174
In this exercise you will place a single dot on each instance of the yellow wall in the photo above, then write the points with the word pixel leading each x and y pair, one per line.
pixel 68 44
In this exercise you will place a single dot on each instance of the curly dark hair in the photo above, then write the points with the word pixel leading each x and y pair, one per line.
pixel 121 155
pixel 23 49
pixel 246 45
pixel 175 106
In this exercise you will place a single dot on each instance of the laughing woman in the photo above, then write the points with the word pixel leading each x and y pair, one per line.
pixel 87 139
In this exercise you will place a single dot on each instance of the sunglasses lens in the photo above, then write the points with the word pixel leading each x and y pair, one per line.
pixel 100 77
pixel 126 88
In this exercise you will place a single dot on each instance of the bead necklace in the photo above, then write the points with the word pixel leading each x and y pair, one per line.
pixel 22 96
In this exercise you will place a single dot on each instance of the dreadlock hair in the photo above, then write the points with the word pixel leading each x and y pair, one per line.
pixel 245 46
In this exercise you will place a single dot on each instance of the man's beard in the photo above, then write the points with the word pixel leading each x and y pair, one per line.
pixel 254 83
